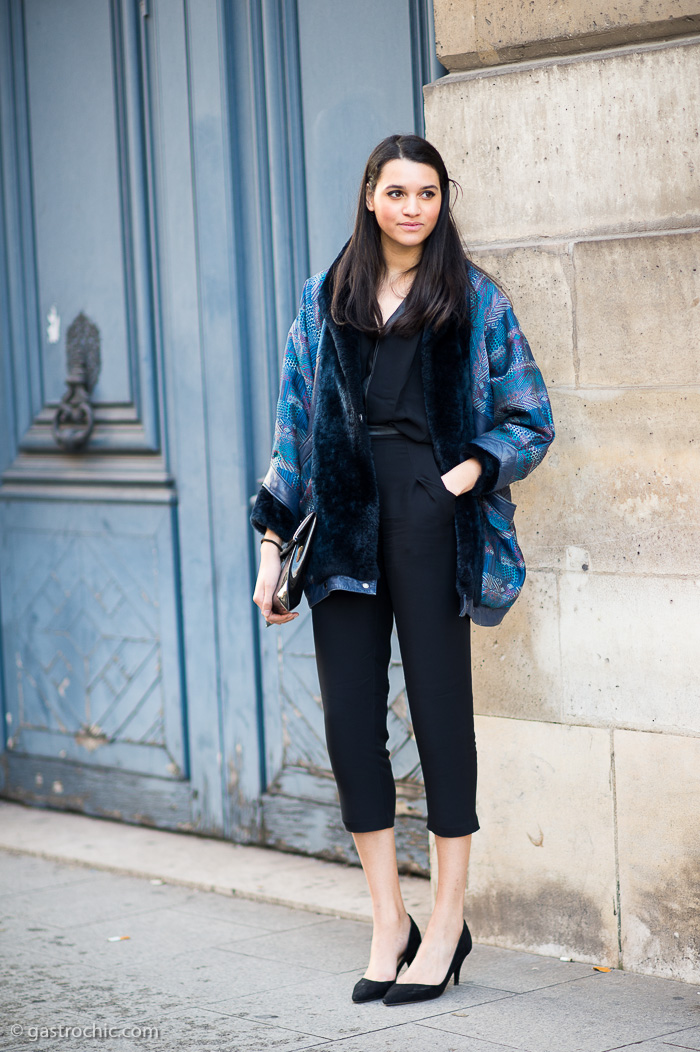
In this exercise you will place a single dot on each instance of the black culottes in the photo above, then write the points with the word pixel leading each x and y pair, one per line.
pixel 352 634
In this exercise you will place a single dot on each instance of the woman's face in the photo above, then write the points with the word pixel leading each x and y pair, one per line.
pixel 406 202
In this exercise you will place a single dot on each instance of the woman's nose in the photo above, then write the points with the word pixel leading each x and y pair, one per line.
pixel 411 206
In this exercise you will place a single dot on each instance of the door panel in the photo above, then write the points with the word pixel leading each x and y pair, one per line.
pixel 91 644
pixel 76 174
pixel 81 177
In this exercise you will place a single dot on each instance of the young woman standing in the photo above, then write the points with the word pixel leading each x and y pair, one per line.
pixel 409 402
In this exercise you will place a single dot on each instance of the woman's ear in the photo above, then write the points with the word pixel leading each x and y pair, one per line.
pixel 369 199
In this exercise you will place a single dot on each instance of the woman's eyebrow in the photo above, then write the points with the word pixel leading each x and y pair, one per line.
pixel 395 186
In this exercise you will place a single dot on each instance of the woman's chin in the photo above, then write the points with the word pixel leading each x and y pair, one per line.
pixel 407 238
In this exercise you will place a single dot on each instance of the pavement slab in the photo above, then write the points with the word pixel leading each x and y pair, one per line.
pixel 188 1030
pixel 228 910
pixel 670 1043
pixel 518 972
pixel 213 976
pixel 411 1037
pixel 22 873
pixel 159 933
pixel 49 995
pixel 326 1009
pixel 688 1039
pixel 76 903
pixel 330 945
pixel 595 1014
pixel 202 1029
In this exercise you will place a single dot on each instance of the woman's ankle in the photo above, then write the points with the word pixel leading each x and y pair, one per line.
pixel 446 922
pixel 390 917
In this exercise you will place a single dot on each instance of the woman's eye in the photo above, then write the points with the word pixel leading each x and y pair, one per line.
pixel 394 193
pixel 428 193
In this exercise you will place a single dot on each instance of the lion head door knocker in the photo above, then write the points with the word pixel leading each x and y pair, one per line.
pixel 74 419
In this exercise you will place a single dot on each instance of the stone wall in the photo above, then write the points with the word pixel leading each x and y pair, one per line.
pixel 473 33
pixel 581 195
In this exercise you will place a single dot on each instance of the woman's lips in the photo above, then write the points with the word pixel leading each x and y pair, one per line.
pixel 411 226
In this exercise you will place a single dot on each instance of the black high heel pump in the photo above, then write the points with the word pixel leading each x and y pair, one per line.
pixel 405 993
pixel 371 989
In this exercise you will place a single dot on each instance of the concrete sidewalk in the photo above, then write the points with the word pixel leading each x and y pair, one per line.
pixel 199 862
pixel 223 972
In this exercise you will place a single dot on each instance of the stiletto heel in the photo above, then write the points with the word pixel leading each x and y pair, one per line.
pixel 405 993
pixel 371 989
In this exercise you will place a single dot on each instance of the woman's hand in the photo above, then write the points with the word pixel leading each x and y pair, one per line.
pixel 462 477
pixel 268 576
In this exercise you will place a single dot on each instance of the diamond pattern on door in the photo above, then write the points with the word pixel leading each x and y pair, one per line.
pixel 87 651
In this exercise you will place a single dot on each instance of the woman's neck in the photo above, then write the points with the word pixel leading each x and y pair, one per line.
pixel 397 279
pixel 398 259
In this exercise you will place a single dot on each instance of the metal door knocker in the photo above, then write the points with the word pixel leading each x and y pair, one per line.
pixel 74 419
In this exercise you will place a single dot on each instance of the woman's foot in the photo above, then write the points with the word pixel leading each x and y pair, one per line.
pixel 389 940
pixel 373 989
pixel 409 993
pixel 435 952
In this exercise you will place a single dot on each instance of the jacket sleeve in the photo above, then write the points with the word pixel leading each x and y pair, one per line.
pixel 522 427
pixel 277 504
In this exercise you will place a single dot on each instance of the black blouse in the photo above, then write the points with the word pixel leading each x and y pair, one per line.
pixel 393 386
pixel 393 383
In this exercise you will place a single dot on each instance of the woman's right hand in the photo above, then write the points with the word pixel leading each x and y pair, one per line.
pixel 268 576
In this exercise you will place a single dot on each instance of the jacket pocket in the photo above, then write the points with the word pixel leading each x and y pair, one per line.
pixel 502 506
pixel 504 566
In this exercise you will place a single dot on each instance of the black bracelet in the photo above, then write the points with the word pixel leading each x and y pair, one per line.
pixel 271 541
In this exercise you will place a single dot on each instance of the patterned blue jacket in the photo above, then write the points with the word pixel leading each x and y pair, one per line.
pixel 485 397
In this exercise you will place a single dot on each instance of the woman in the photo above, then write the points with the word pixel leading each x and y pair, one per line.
pixel 409 402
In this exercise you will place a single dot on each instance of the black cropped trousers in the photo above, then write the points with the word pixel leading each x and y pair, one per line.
pixel 352 635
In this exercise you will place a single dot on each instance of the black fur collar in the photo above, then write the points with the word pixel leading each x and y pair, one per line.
pixel 343 479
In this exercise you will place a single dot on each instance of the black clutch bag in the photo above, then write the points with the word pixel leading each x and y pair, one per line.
pixel 295 553
pixel 294 556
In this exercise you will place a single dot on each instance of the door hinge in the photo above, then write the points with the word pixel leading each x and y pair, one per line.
pixel 144 8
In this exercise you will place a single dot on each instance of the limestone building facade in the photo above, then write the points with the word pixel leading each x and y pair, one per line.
pixel 573 130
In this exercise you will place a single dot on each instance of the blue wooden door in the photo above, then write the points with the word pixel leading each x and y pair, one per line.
pixel 171 171
pixel 128 677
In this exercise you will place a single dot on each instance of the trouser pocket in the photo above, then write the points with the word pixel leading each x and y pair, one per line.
pixel 427 473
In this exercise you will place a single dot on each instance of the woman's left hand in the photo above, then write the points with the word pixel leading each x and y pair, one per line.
pixel 462 477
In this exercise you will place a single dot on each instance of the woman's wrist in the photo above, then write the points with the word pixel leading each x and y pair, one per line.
pixel 271 546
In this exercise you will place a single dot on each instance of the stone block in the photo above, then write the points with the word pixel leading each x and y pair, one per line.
pixel 608 144
pixel 620 483
pixel 658 788
pixel 542 875
pixel 538 283
pixel 629 648
pixel 472 33
pixel 517 666
pixel 638 310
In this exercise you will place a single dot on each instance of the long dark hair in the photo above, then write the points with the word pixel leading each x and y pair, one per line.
pixel 438 292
